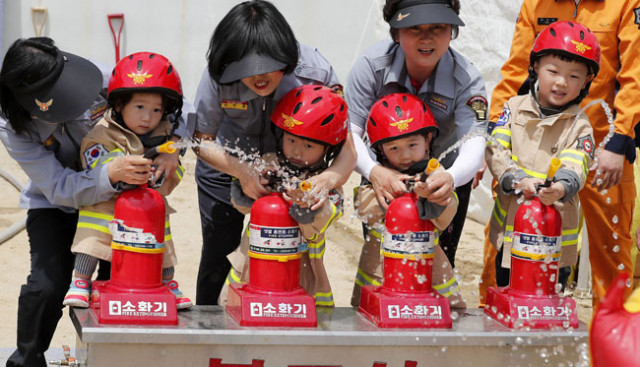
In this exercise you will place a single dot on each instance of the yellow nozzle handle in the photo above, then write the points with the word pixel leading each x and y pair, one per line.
pixel 553 167
pixel 168 147
pixel 305 186
pixel 432 166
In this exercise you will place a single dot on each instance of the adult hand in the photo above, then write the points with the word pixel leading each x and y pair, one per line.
pixel 551 194
pixel 165 162
pixel 529 186
pixel 609 170
pixel 387 184
pixel 131 169
pixel 478 177
pixel 252 183
pixel 440 188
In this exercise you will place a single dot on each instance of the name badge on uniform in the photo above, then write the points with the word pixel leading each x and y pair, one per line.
pixel 546 21
pixel 438 102
pixel 235 105
pixel 97 111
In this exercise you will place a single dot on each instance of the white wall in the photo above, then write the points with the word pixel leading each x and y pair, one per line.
pixel 180 30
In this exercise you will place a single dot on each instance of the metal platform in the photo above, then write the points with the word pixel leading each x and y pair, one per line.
pixel 207 336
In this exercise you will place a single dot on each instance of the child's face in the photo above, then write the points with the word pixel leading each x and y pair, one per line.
pixel 424 45
pixel 404 152
pixel 143 112
pixel 560 81
pixel 264 84
pixel 302 152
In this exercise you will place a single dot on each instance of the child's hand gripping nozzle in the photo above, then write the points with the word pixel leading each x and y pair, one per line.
pixel 553 168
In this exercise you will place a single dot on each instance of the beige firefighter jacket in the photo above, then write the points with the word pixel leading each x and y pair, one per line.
pixel 313 275
pixel 106 141
pixel 369 211
pixel 530 141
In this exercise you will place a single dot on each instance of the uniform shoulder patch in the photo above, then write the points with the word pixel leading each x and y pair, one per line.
pixel 636 11
pixel 93 153
pixel 479 106
pixel 586 143
pixel 504 116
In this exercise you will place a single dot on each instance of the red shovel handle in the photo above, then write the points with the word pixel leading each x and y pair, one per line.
pixel 116 40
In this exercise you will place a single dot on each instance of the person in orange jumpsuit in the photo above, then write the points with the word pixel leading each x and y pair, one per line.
pixel 609 195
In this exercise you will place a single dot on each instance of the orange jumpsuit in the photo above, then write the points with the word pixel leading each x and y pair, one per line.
pixel 616 23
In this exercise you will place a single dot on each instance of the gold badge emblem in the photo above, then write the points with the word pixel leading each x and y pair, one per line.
pixel 402 125
pixel 139 78
pixel 580 47
pixel 402 16
pixel 44 106
pixel 290 122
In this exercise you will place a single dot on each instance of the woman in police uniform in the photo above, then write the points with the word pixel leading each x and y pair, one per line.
pixel 253 60
pixel 418 60
pixel 49 100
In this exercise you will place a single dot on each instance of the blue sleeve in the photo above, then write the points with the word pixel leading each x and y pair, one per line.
pixel 60 186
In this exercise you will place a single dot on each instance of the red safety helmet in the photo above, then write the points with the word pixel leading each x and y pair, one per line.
pixel 146 72
pixel 313 112
pixel 570 39
pixel 396 115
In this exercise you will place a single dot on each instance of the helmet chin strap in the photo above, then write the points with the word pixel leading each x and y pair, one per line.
pixel 549 111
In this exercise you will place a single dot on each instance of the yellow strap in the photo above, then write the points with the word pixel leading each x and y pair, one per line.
pixel 280 258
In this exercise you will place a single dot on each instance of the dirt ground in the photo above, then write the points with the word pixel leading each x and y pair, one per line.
pixel 341 257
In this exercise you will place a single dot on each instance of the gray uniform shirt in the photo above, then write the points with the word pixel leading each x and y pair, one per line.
pixel 50 156
pixel 448 92
pixel 240 118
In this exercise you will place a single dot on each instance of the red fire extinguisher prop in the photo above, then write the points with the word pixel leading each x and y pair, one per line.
pixel 531 299
pixel 273 296
pixel 615 331
pixel 135 294
pixel 406 298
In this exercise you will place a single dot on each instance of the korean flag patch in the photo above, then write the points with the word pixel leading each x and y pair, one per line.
pixel 586 143
pixel 94 153
pixel 504 116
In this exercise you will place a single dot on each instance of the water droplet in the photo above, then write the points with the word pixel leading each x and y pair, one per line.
pixel 614 219
pixel 616 248
pixel 604 192
pixel 628 283
pixel 519 341
pixel 621 267
pixel 615 237
pixel 608 200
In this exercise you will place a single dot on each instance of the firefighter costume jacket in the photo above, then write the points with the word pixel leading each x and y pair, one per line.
pixel 109 140
pixel 616 23
pixel 370 266
pixel 531 140
pixel 313 226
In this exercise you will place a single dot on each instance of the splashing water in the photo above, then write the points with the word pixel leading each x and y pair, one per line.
pixel 607 111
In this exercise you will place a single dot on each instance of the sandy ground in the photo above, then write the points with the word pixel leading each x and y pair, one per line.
pixel 343 249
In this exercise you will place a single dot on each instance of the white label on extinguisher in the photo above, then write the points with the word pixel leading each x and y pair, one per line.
pixel 535 247
pixel 132 237
pixel 274 240
pixel 415 243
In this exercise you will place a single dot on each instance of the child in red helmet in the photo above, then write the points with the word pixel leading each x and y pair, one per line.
pixel 311 126
pixel 143 91
pixel 401 130
pixel 546 123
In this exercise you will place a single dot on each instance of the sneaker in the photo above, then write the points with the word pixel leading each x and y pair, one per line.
pixel 181 300
pixel 79 293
